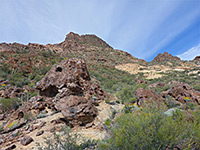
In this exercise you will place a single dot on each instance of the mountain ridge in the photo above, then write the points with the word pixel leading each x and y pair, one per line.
pixel 74 41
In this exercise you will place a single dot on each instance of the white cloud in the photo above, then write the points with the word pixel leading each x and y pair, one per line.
pixel 140 27
pixel 191 53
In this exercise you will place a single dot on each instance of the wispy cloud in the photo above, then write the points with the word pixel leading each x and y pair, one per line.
pixel 191 53
pixel 141 27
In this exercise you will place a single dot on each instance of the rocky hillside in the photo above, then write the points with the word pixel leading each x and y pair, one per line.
pixel 85 84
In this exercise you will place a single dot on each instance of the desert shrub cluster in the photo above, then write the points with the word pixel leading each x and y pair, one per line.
pixel 152 129
pixel 66 140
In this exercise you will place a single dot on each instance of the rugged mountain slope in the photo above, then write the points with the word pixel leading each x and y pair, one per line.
pixel 125 82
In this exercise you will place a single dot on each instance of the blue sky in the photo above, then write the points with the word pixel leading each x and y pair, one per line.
pixel 143 28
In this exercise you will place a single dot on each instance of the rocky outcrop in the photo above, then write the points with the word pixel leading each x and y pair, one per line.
pixel 146 96
pixel 89 39
pixel 11 92
pixel 165 57
pixel 197 58
pixel 74 94
pixel 182 93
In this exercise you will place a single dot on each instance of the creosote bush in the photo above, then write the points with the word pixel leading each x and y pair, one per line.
pixel 151 129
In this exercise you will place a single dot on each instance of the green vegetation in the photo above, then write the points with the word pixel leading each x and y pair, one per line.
pixel 1 128
pixel 25 66
pixel 66 141
pixel 152 129
pixel 8 103
pixel 115 82
pixel 108 122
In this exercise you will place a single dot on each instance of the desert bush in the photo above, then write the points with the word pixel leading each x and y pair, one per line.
pixel 153 130
pixel 171 102
pixel 108 122
pixel 127 94
pixel 8 103
pixel 28 116
pixel 66 141
pixel 4 71
pixel 1 128
pixel 47 54
pixel 18 80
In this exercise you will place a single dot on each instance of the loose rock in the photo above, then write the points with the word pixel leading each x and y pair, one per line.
pixel 26 140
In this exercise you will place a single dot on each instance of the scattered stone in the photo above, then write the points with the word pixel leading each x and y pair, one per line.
pixel 40 133
pixel 41 125
pixel 52 130
pixel 31 128
pixel 160 84
pixel 10 147
pixel 2 117
pixel 89 125
pixel 138 81
pixel 35 99
pixel 27 127
pixel 15 127
pixel 26 140
pixel 1 140
pixel 171 111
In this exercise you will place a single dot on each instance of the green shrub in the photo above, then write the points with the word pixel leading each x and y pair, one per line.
pixel 67 141
pixel 1 128
pixel 153 130
pixel 108 122
pixel 127 95
pixel 8 103
pixel 4 71
pixel 107 101
pixel 18 80
pixel 28 116
pixel 47 54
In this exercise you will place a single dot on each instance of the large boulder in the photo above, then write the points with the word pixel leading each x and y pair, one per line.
pixel 182 93
pixel 146 96
pixel 74 94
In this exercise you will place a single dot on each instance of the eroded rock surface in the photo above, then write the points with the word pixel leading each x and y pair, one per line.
pixel 144 96
pixel 74 94
pixel 166 57
pixel 26 140
pixel 183 93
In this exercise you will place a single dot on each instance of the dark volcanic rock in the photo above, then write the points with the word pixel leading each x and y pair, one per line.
pixel 12 92
pixel 77 109
pixel 144 96
pixel 70 74
pixel 70 85
pixel 40 133
pixel 165 57
pixel 197 58
pixel 183 93
pixel 10 147
pixel 26 140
